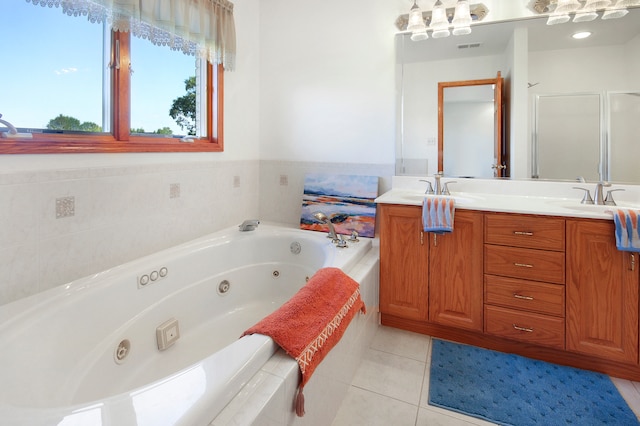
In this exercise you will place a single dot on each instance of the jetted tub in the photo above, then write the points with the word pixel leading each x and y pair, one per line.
pixel 87 353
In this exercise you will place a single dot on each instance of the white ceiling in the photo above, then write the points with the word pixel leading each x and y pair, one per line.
pixel 494 37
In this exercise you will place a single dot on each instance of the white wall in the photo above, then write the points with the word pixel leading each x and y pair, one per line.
pixel 519 143
pixel 326 81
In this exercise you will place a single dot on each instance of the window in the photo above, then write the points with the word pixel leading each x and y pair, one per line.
pixel 77 86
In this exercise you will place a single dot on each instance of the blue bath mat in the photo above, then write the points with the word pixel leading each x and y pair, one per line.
pixel 512 390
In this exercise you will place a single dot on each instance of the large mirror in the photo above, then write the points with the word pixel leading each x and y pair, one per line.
pixel 543 68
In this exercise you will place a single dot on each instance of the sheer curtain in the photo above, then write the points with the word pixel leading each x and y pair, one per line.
pixel 203 28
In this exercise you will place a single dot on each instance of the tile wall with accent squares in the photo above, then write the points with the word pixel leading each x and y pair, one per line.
pixel 60 225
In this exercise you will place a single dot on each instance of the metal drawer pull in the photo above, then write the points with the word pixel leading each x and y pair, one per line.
pixel 528 330
pixel 529 234
pixel 519 296
pixel 523 265
pixel 633 262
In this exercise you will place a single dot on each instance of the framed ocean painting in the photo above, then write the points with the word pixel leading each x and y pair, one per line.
pixel 347 200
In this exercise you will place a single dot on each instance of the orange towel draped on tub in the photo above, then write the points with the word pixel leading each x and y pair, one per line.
pixel 310 324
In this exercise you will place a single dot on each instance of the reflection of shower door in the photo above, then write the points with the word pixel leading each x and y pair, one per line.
pixel 567 136
pixel 624 136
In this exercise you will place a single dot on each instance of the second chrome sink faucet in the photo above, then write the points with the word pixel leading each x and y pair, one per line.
pixel 598 198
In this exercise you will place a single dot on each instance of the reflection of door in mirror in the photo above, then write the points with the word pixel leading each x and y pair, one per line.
pixel 470 121
pixel 567 136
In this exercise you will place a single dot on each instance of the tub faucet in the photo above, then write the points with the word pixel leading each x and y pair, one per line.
pixel 322 218
pixel 249 225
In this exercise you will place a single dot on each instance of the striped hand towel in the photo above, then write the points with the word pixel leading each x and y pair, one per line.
pixel 437 214
pixel 627 229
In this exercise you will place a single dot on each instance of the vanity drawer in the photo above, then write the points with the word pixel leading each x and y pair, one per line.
pixel 532 296
pixel 527 327
pixel 528 264
pixel 546 233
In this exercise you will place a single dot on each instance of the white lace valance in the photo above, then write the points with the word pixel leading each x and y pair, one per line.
pixel 203 28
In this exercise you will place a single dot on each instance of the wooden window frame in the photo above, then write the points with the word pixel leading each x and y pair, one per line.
pixel 120 140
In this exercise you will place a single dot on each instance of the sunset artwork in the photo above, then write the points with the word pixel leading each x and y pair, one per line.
pixel 347 200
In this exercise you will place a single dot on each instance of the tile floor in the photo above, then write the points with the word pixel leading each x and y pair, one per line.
pixel 392 384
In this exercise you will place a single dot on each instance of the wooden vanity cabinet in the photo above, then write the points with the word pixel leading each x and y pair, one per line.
pixel 434 278
pixel 404 263
pixel 455 273
pixel 551 288
pixel 524 266
pixel 602 293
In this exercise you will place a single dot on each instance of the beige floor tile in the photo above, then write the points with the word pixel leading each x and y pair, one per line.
pixel 391 386
pixel 390 375
pixel 629 391
pixel 365 408
pixel 402 343
pixel 439 417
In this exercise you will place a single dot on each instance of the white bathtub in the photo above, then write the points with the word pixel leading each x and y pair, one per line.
pixel 86 353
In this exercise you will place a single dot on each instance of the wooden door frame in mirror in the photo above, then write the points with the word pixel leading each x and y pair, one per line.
pixel 499 168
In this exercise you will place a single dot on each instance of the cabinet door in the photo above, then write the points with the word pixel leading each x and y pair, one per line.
pixel 602 293
pixel 455 273
pixel 403 262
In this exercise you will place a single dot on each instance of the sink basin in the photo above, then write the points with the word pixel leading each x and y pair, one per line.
pixel 593 208
pixel 417 198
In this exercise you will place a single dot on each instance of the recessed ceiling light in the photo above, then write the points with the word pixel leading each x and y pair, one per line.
pixel 582 34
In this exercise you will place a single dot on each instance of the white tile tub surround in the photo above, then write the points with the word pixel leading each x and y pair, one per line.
pixel 283 203
pixel 268 398
pixel 125 212
pixel 121 213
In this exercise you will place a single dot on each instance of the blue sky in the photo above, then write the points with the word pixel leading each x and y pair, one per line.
pixel 53 65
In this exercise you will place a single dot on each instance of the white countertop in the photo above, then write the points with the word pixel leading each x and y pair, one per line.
pixel 511 196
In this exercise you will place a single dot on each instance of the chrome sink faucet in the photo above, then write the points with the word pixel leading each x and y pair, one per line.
pixel 598 196
pixel 438 188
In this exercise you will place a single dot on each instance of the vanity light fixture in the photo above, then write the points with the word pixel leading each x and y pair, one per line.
pixel 439 22
pixel 561 13
pixel 416 24
pixel 585 10
pixel 618 10
pixel 558 18
pixel 462 18
pixel 441 19
pixel 567 6
pixel 588 12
